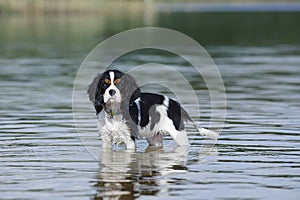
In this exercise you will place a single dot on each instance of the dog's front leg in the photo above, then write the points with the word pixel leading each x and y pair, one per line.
pixel 128 141
pixel 130 145
pixel 106 141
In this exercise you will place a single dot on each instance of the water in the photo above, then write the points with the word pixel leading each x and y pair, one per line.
pixel 256 156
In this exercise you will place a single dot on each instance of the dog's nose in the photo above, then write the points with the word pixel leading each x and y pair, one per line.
pixel 112 92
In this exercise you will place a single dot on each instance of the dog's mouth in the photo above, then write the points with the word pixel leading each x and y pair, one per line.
pixel 112 102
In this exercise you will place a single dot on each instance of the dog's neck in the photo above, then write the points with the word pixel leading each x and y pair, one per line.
pixel 112 111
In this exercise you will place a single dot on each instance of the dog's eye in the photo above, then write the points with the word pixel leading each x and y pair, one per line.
pixel 107 81
pixel 116 81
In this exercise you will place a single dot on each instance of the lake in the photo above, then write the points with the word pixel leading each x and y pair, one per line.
pixel 255 157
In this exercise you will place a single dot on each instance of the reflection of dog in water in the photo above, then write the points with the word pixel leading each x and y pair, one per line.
pixel 127 175
pixel 125 113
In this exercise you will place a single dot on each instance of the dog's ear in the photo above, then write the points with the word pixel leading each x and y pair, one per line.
pixel 131 92
pixel 132 89
pixel 94 92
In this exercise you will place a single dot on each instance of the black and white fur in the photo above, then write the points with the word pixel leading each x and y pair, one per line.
pixel 125 113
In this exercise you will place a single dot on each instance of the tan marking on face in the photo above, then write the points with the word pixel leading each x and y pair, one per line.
pixel 116 81
pixel 107 81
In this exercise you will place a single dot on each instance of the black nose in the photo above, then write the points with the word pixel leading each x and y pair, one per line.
pixel 112 92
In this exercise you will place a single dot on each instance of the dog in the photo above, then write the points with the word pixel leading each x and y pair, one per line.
pixel 125 113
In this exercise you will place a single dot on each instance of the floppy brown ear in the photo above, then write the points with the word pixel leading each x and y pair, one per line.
pixel 94 92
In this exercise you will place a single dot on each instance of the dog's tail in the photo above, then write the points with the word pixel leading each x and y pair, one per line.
pixel 203 131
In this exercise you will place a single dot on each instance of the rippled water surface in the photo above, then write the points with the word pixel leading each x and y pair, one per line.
pixel 256 156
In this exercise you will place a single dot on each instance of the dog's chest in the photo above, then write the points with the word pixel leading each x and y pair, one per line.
pixel 114 129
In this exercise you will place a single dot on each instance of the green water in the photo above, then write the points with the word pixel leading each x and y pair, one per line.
pixel 67 35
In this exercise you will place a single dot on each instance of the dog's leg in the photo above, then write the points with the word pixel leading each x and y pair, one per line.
pixel 130 145
pixel 106 142
pixel 155 140
pixel 180 137
pixel 127 140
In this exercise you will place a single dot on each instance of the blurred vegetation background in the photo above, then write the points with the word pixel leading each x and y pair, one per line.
pixel 70 28
pixel 66 6
pixel 96 6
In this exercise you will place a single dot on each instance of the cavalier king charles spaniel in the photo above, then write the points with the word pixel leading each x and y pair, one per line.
pixel 125 113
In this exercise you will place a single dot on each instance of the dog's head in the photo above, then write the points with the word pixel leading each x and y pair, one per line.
pixel 113 88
